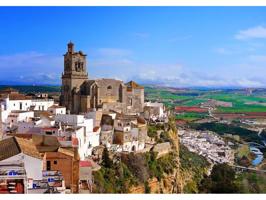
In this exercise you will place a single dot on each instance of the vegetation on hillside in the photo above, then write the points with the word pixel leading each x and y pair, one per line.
pixel 251 182
pixel 224 179
pixel 196 165
pixel 221 180
pixel 133 170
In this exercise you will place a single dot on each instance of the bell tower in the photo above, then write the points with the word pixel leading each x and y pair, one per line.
pixel 75 73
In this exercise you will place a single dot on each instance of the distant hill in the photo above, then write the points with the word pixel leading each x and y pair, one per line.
pixel 32 89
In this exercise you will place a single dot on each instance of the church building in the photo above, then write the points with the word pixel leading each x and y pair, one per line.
pixel 79 94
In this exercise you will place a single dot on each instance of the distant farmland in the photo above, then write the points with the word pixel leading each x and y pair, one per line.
pixel 241 102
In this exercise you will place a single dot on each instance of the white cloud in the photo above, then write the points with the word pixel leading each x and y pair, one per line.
pixel 254 32
pixel 39 68
pixel 31 67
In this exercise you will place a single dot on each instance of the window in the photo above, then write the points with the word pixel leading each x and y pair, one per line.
pixel 48 165
pixel 109 87
pixel 49 133
pixel 55 162
pixel 20 105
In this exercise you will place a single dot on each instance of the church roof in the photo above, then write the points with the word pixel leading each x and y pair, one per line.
pixel 103 82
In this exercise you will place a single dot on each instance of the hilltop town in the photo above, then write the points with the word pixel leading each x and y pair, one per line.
pixel 107 136
pixel 52 145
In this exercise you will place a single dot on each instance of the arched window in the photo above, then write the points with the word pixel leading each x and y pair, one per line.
pixel 109 87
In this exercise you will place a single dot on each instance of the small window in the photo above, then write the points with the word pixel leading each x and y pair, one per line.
pixel 48 165
pixel 55 162
pixel 109 87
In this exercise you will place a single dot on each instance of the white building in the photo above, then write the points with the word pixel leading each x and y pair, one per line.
pixel 55 109
pixel 21 150
pixel 154 111
pixel 87 137
pixel 11 100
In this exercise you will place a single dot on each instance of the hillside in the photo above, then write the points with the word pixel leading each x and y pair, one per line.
pixel 179 171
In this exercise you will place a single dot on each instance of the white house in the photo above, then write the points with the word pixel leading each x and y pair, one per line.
pixel 55 109
pixel 87 138
pixel 20 150
pixel 19 116
pixel 12 100
pixel 154 110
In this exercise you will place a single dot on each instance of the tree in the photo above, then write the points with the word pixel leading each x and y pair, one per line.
pixel 221 180
pixel 147 187
pixel 106 161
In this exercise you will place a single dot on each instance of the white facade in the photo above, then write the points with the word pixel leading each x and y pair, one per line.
pixel 154 111
pixel 86 137
pixel 56 110
pixel 42 104
pixel 131 146
pixel 93 140
pixel 76 120
pixel 15 117
pixel 8 105
pixel 33 166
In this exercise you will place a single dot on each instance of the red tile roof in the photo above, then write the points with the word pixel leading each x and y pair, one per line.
pixel 96 128
pixel 133 85
pixel 190 109
pixel 85 163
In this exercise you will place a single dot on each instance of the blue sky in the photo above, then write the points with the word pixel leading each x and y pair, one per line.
pixel 173 46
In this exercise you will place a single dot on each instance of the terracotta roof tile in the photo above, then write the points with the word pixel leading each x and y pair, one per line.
pixel 8 148
pixel 85 163
pixel 12 146
pixel 133 84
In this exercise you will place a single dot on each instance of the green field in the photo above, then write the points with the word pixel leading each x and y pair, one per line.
pixel 190 116
pixel 239 101
pixel 173 98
